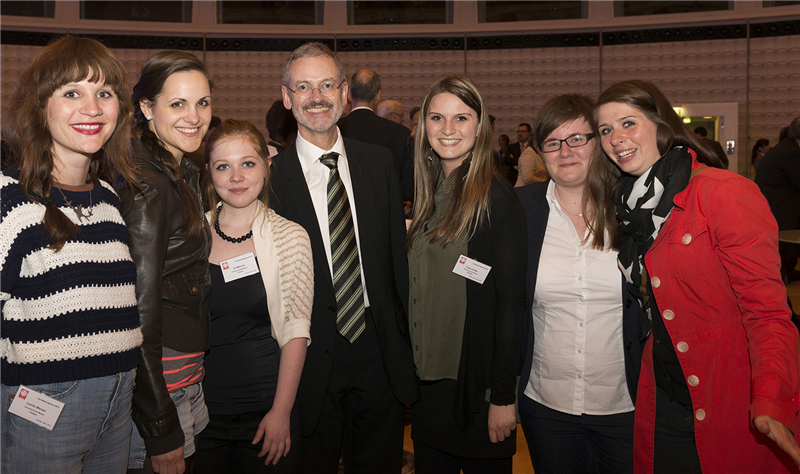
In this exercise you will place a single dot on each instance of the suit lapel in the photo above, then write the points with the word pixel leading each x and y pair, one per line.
pixel 297 190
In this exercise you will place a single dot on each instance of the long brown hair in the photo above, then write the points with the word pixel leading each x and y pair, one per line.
pixel 155 72
pixel 235 130
pixel 66 60
pixel 603 179
pixel 670 132
pixel 469 208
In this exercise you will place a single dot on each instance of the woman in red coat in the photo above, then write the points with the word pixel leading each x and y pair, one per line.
pixel 718 392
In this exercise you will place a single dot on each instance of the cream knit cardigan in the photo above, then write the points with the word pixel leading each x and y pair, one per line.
pixel 284 258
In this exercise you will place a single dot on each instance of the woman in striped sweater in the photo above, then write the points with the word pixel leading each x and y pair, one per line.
pixel 70 328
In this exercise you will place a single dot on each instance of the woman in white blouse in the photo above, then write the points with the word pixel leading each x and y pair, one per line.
pixel 578 382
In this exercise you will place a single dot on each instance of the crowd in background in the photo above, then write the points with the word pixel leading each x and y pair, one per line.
pixel 186 295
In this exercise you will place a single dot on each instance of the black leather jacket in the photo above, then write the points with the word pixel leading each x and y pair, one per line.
pixel 172 289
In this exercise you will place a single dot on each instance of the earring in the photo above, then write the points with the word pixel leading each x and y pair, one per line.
pixel 148 117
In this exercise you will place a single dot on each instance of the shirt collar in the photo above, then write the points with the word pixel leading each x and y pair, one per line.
pixel 309 153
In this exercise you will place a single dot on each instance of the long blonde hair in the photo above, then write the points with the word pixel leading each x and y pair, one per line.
pixel 469 208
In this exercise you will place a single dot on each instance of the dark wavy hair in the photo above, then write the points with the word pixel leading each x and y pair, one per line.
pixel 761 142
pixel 281 123
pixel 155 72
pixel 670 132
pixel 66 60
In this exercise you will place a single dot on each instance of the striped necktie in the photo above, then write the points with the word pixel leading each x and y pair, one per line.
pixel 344 255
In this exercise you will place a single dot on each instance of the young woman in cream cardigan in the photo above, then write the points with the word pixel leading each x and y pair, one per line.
pixel 261 295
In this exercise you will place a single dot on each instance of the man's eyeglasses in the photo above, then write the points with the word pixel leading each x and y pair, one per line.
pixel 572 141
pixel 523 131
pixel 304 91
pixel 399 115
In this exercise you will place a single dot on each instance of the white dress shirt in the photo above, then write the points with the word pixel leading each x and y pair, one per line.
pixel 578 359
pixel 316 175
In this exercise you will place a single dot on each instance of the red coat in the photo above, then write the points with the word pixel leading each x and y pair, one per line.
pixel 714 270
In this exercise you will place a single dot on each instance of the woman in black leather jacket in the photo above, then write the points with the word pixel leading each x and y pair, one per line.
pixel 170 241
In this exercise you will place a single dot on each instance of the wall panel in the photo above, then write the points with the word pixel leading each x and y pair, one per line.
pixel 516 82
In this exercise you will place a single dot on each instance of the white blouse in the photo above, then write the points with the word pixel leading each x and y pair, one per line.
pixel 578 357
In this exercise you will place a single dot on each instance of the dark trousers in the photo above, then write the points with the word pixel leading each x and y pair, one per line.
pixel 360 412
pixel 226 446
pixel 577 444
pixel 428 460
pixel 675 448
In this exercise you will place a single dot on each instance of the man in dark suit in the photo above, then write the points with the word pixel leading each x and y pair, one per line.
pixel 354 384
pixel 364 125
pixel 779 180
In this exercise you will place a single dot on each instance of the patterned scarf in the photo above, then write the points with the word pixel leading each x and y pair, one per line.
pixel 644 204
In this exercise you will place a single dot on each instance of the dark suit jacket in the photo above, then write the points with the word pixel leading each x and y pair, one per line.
pixel 381 233
pixel 537 211
pixel 366 126
pixel 778 178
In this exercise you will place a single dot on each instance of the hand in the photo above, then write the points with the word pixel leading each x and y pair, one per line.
pixel 780 434
pixel 169 463
pixel 502 421
pixel 275 428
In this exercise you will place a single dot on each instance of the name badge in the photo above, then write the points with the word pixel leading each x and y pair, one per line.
pixel 471 269
pixel 238 267
pixel 36 407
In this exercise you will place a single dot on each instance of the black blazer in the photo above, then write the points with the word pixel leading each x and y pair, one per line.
pixel 537 210
pixel 366 126
pixel 778 178
pixel 381 229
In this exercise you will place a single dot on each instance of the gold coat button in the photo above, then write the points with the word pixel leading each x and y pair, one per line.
pixel 655 282
pixel 700 414
pixel 686 239
pixel 683 347
pixel 668 315
pixel 693 380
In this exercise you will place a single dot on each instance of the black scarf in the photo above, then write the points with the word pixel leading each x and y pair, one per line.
pixel 644 204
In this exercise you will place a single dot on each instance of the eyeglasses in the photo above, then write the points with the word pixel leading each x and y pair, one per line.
pixel 572 141
pixel 399 115
pixel 304 91
pixel 523 131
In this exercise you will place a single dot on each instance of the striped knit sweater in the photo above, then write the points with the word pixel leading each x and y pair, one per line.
pixel 66 315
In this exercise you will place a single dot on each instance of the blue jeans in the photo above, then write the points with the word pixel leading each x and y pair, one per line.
pixel 92 435
pixel 577 444
pixel 192 413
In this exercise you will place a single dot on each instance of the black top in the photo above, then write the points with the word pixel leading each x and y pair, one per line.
pixel 242 364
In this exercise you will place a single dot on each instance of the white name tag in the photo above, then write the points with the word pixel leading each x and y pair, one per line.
pixel 471 269
pixel 238 267
pixel 36 407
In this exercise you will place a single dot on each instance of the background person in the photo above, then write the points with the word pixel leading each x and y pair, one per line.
pixel 170 241
pixel 779 181
pixel 282 128
pixel 581 349
pixel 259 323
pixel 70 329
pixel 466 334
pixel 720 368
pixel 760 149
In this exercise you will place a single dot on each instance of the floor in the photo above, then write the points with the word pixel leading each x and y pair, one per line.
pixel 522 461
